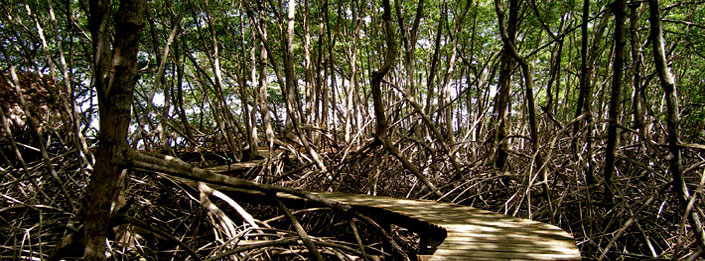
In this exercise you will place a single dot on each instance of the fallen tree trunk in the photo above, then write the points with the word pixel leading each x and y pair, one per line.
pixel 176 167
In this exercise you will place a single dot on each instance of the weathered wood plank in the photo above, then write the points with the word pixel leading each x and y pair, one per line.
pixel 471 234
pixel 476 234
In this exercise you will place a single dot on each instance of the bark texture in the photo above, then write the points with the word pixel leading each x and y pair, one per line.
pixel 668 83
pixel 114 82
pixel 615 94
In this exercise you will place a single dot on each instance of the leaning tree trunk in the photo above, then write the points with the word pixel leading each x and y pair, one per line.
pixel 114 82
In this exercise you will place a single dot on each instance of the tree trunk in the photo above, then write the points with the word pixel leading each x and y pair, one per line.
pixel 263 108
pixel 584 104
pixel 584 95
pixel 114 81
pixel 241 73
pixel 434 63
pixel 290 89
pixel 180 95
pixel 615 94
pixel 409 40
pixel 390 56
pixel 308 67
pixel 527 70
pixel 352 87
pixel 637 102
pixel 668 84
pixel 501 146
pixel 228 121
pixel 447 101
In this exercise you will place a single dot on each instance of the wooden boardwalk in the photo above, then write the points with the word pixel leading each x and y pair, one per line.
pixel 475 234
pixel 454 232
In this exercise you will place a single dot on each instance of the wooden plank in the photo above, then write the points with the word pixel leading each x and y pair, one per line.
pixel 476 234
pixel 471 234
pixel 444 254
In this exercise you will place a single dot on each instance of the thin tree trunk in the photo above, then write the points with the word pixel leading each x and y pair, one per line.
pixel 615 94
pixel 229 122
pixel 434 63
pixel 290 89
pixel 180 95
pixel 308 67
pixel 584 104
pixel 290 83
pixel 376 78
pixel 241 73
pixel 159 80
pixel 255 94
pixel 447 102
pixel 668 84
pixel 324 90
pixel 349 106
pixel 501 146
pixel 409 40
pixel 262 85
pixel 637 103
pixel 585 93
pixel 556 56
pixel 70 104
pixel 526 70
pixel 382 126
pixel 321 79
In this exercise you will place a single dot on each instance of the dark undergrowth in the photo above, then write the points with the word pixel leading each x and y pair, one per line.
pixel 157 217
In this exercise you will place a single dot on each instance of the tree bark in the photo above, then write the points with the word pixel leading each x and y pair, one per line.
pixel 637 102
pixel 583 105
pixel 262 85
pixel 409 40
pixel 668 84
pixel 447 101
pixel 501 146
pixel 527 70
pixel 434 63
pixel 615 94
pixel 228 121
pixel 114 81
pixel 377 76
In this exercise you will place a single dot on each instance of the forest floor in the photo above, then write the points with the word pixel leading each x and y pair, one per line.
pixel 159 217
